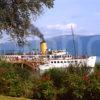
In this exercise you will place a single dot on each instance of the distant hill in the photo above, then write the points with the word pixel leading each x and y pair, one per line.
pixel 85 45
pixel 89 45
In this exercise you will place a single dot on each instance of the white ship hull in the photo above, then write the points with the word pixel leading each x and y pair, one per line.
pixel 64 63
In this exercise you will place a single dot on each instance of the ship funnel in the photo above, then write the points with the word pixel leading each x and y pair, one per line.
pixel 43 47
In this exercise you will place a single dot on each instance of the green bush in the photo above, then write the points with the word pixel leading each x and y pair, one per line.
pixel 57 76
pixel 43 89
pixel 73 83
pixel 15 80
pixel 4 86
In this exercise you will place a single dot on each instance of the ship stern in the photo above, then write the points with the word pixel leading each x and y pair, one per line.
pixel 91 61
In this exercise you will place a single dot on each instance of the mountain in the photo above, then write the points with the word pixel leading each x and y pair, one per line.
pixel 84 45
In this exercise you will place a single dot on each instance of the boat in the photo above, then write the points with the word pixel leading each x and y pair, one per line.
pixel 62 59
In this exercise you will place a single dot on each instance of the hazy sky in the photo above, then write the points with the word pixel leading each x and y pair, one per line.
pixel 83 15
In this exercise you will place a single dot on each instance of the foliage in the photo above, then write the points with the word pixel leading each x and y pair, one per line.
pixel 57 76
pixel 15 80
pixel 16 15
pixel 55 84
pixel 4 64
pixel 43 90
pixel 75 84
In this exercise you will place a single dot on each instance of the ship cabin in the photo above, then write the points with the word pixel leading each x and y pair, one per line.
pixel 59 54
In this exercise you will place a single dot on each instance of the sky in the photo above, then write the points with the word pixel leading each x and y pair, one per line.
pixel 82 15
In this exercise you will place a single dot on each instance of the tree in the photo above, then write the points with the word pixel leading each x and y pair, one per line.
pixel 15 15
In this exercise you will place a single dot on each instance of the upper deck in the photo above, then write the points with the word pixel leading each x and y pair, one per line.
pixel 59 54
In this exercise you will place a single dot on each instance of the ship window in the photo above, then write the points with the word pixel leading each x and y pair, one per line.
pixel 75 61
pixel 71 61
pixel 57 56
pixel 61 61
pixel 57 61
pixel 51 61
pixel 68 61
pixel 54 61
pixel 60 56
pixel 64 61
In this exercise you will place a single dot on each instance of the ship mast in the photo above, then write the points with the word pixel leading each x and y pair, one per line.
pixel 74 46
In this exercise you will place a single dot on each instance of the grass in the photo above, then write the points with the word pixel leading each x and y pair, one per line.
pixel 11 98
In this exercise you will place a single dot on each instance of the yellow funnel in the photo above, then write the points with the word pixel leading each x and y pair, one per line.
pixel 43 47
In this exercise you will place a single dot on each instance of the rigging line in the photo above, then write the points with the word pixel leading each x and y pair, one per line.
pixel 74 46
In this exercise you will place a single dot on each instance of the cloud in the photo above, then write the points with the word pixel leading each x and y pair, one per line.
pixel 62 26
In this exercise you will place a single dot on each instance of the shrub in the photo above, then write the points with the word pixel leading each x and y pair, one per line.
pixel 73 83
pixel 15 81
pixel 4 86
pixel 57 76
pixel 44 90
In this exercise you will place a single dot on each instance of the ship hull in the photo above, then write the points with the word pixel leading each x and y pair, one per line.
pixel 64 63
